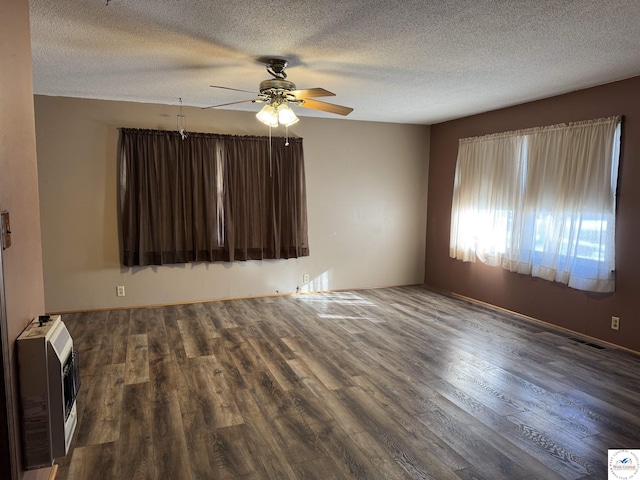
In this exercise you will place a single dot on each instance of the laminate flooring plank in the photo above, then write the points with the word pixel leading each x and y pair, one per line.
pixel 220 316
pixel 613 388
pixel 534 399
pixel 240 313
pixel 307 405
pixel 220 453
pixel 118 333
pixel 551 455
pixel 232 453
pixel 138 321
pixel 539 445
pixel 338 411
pixel 267 450
pixel 418 435
pixel 91 359
pixel 246 359
pixel 558 415
pixel 206 400
pixel 389 432
pixel 272 325
pixel 603 441
pixel 195 341
pixel 609 418
pixel 157 334
pixel 164 376
pixel 580 454
pixel 484 391
pixel 394 410
pixel 325 332
pixel 206 320
pixel 345 452
pixel 91 334
pixel 297 439
pixel 201 453
pixel 341 303
pixel 273 400
pixel 102 408
pixel 170 450
pixel 501 351
pixel 457 423
pixel 137 364
pixel 233 377
pixel 93 324
pixel 323 368
pixel 135 460
pixel 171 315
pixel 275 363
pixel 374 372
pixel 323 336
pixel 233 335
pixel 318 469
pixel 622 362
pixel 403 364
pixel 93 462
pixel 544 376
pixel 488 431
pixel 378 456
pixel 351 325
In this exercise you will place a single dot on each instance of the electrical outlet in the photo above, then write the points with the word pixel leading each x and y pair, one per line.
pixel 120 290
pixel 305 278
pixel 615 323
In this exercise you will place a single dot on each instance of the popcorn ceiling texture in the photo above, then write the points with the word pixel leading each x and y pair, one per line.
pixel 413 61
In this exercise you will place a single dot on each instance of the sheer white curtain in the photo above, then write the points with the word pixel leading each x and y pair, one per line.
pixel 540 202
pixel 487 190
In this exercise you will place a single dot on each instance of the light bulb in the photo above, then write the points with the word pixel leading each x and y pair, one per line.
pixel 268 115
pixel 285 115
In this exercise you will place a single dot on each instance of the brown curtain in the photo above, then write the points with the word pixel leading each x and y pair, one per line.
pixel 210 198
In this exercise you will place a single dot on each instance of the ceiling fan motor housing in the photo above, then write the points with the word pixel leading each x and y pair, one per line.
pixel 276 84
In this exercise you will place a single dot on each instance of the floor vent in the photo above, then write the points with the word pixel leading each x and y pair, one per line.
pixel 584 342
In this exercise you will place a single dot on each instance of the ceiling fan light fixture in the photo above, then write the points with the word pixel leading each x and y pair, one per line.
pixel 286 116
pixel 278 93
pixel 268 115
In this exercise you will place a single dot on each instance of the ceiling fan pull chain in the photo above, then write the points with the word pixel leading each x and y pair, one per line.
pixel 182 122
pixel 270 167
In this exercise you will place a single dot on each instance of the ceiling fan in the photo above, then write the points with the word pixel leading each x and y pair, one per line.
pixel 278 93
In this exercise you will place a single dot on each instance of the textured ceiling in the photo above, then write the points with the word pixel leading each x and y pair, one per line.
pixel 406 61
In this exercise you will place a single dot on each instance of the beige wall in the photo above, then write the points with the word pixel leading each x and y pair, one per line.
pixel 366 198
pixel 22 262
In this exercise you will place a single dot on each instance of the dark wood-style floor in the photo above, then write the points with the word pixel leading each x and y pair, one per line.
pixel 397 383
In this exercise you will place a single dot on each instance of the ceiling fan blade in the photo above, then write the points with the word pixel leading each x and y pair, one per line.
pixel 229 88
pixel 326 107
pixel 232 103
pixel 311 93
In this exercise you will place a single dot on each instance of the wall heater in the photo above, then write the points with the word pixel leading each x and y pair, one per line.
pixel 49 383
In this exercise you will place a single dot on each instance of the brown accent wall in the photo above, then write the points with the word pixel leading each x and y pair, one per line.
pixel 582 312
pixel 23 278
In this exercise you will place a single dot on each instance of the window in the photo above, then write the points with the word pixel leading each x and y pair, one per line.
pixel 210 198
pixel 540 202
